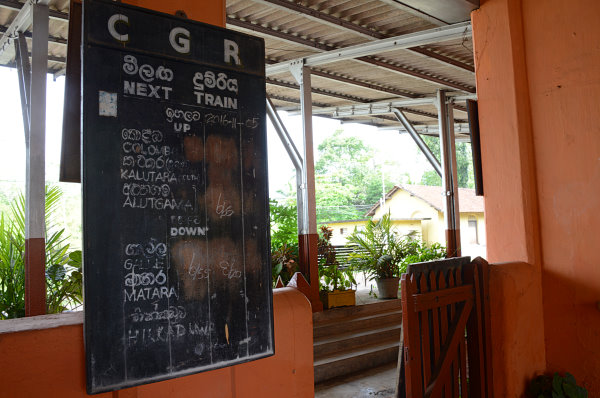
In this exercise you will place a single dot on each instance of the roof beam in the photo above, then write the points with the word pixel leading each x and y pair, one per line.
pixel 364 84
pixel 424 37
pixel 20 23
pixel 413 11
pixel 16 5
pixel 382 107
pixel 282 83
pixel 358 29
pixel 51 39
pixel 359 83
pixel 267 31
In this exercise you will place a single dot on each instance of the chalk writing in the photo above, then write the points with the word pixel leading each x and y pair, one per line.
pixel 172 314
pixel 228 270
pixel 157 334
pixel 145 279
pixel 188 116
pixel 150 293
pixel 211 80
pixel 196 270
pixel 146 72
pixel 150 249
pixel 223 209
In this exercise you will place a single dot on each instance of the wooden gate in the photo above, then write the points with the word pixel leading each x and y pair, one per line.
pixel 445 323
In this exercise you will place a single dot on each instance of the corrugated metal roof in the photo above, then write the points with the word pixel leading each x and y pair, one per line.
pixel 294 29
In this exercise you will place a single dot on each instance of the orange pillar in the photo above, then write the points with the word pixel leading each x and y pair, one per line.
pixel 511 198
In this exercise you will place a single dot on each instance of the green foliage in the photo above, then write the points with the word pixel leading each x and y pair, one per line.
pixel 63 269
pixel 348 182
pixel 544 386
pixel 284 241
pixel 464 164
pixel 331 276
pixel 419 251
pixel 386 254
pixel 382 249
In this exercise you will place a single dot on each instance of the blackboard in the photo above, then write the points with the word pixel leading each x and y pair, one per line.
pixel 176 240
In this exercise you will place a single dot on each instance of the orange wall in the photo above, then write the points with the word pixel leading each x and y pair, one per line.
pixel 538 83
pixel 50 363
pixel 208 11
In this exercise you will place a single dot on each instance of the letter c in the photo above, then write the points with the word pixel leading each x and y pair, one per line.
pixel 180 40
pixel 112 23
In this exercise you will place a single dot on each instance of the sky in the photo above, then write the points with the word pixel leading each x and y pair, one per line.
pixel 390 145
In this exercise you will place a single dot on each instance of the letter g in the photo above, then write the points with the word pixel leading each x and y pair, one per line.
pixel 180 40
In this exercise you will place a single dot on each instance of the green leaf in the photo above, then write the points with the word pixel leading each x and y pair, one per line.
pixel 557 384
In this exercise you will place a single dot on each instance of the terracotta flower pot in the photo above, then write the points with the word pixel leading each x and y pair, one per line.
pixel 387 288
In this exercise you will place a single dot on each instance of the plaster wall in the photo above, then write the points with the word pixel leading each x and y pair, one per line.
pixel 50 362
pixel 562 47
pixel 538 83
pixel 404 205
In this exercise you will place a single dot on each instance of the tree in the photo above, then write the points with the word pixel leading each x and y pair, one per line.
pixel 63 267
pixel 464 164
pixel 348 180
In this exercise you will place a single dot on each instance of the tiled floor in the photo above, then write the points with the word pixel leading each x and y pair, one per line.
pixel 378 382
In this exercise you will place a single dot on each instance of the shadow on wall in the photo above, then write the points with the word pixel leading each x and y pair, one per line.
pixel 572 327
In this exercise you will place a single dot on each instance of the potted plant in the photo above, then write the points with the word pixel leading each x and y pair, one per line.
pixel 335 288
pixel 555 386
pixel 380 252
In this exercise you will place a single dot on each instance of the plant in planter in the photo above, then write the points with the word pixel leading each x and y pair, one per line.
pixel 284 260
pixel 381 252
pixel 555 387
pixel 335 283
pixel 284 242
pixel 384 254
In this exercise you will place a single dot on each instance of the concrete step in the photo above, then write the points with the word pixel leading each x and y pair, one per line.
pixel 324 346
pixel 357 323
pixel 344 313
pixel 355 359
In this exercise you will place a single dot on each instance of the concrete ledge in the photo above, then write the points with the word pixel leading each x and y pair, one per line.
pixel 43 356
pixel 41 322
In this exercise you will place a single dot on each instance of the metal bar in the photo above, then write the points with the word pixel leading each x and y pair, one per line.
pixel 284 136
pixel 19 24
pixel 363 31
pixel 24 76
pixel 295 157
pixel 269 32
pixel 418 140
pixel 449 176
pixel 413 11
pixel 51 39
pixel 431 129
pixel 418 74
pixel 375 108
pixel 442 58
pixel 424 37
pixel 35 279
pixel 302 75
pixel 364 84
pixel 281 83
pixel 16 5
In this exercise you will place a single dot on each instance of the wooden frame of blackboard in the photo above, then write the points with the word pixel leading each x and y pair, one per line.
pixel 177 273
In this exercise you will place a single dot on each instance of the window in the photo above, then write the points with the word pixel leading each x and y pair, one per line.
pixel 472 231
